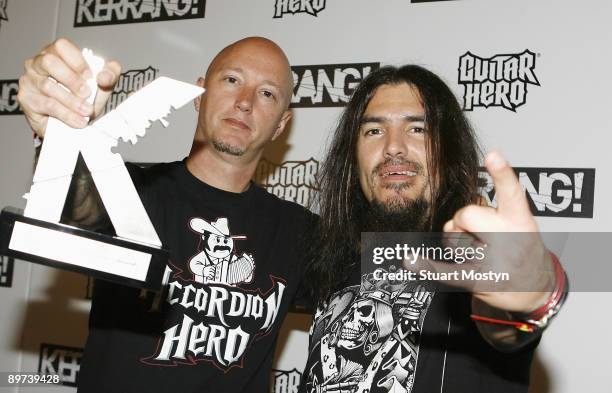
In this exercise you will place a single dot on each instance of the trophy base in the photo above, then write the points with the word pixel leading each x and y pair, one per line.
pixel 65 247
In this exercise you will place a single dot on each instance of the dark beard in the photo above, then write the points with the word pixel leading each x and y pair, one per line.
pixel 410 217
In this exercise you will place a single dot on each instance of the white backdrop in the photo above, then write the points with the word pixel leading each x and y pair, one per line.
pixel 562 124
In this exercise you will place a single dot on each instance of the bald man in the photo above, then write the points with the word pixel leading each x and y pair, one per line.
pixel 234 262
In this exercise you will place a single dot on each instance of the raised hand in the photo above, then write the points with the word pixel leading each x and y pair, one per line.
pixel 513 246
pixel 40 94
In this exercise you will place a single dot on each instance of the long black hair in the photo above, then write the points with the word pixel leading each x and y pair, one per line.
pixel 453 157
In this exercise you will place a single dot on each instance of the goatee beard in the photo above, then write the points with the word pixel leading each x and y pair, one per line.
pixel 396 217
pixel 227 148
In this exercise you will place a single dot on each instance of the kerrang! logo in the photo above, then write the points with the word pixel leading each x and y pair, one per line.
pixel 500 80
pixel 129 82
pixel 327 85
pixel 8 97
pixel 286 381
pixel 3 15
pixel 6 271
pixel 113 12
pixel 294 181
pixel 551 192
pixel 311 7
pixel 65 361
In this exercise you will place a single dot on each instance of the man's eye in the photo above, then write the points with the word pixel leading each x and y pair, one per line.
pixel 267 94
pixel 373 131
pixel 231 79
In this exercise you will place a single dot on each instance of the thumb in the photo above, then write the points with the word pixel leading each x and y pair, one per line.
pixel 106 79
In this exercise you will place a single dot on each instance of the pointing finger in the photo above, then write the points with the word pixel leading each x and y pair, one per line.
pixel 511 199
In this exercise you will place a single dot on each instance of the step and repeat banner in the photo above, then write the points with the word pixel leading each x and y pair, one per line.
pixel 533 77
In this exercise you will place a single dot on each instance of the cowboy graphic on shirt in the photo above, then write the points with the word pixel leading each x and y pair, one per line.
pixel 218 263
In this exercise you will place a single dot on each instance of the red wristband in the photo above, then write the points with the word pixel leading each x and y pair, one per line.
pixel 520 325
pixel 538 318
pixel 555 296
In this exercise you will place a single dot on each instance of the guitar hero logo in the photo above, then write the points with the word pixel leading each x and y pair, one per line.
pixel 310 7
pixel 327 85
pixel 114 12
pixel 3 16
pixel 500 80
pixel 286 381
pixel 129 82
pixel 294 181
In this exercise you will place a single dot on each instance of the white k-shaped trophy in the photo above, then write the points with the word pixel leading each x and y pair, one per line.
pixel 135 256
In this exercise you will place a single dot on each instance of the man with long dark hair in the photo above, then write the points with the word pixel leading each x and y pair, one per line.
pixel 405 159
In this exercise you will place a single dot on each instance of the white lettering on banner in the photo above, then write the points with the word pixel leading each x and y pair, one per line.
pixel 327 85
pixel 500 80
pixel 563 192
pixel 6 271
pixel 8 97
pixel 286 381
pixel 60 360
pixel 311 7
pixel 294 181
pixel 103 12
pixel 128 83
pixel 3 16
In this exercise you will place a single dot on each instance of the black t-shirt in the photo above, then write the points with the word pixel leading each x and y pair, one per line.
pixel 376 336
pixel 235 266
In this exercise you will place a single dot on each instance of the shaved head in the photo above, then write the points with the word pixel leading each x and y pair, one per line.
pixel 249 87
pixel 263 49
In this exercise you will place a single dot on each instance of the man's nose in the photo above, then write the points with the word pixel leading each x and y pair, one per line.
pixel 395 142
pixel 244 101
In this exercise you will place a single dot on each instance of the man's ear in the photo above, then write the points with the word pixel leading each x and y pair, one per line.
pixel 198 99
pixel 281 125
